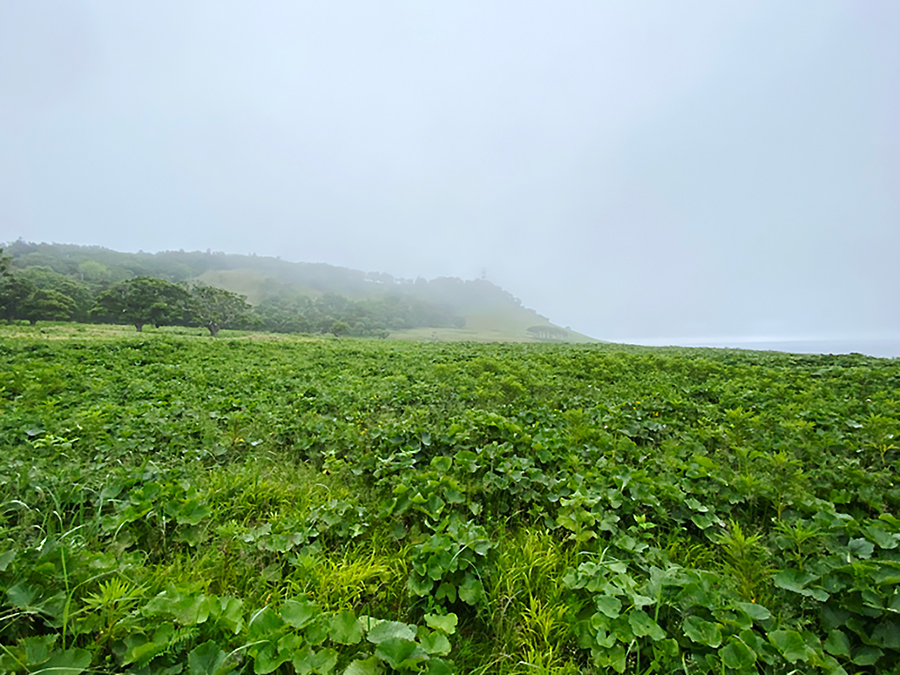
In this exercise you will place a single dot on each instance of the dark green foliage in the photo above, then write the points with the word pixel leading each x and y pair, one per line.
pixel 15 290
pixel 142 300
pixel 79 294
pixel 171 503
pixel 48 305
pixel 215 308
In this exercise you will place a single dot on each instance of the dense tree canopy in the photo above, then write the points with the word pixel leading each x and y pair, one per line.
pixel 215 308
pixel 49 305
pixel 142 300
pixel 14 291
pixel 46 279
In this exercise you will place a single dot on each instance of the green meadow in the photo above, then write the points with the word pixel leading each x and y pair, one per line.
pixel 172 503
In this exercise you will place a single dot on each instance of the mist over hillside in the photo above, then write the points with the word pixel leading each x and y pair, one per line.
pixel 297 296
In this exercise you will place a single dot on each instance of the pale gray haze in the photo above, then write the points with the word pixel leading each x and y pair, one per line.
pixel 635 170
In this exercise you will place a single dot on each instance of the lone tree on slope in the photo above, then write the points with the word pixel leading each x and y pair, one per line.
pixel 142 300
pixel 215 307
pixel 48 305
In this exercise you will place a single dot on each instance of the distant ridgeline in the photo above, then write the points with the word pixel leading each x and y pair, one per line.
pixel 90 283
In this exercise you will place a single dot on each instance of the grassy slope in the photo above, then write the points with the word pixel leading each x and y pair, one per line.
pixel 243 282
pixel 505 324
pixel 247 282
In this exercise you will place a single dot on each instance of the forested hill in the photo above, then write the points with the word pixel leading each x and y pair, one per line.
pixel 285 296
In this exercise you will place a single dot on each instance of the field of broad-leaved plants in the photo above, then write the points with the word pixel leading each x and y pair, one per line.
pixel 171 504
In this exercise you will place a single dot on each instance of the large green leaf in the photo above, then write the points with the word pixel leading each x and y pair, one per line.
pixel 141 650
pixel 264 622
pixel 754 611
pixel 400 654
pixel 831 666
pixel 738 656
pixel 629 543
pixel 38 648
pixel 268 658
pixel 703 632
pixel 440 563
pixel 797 582
pixel 866 656
pixel 22 595
pixel 207 659
pixel 887 635
pixel 837 644
pixel 861 548
pixel 290 642
pixel 471 590
pixel 229 614
pixel 790 643
pixel 345 628
pixel 192 512
pixel 446 590
pixel 419 584
pixel 190 610
pixel 68 662
pixel 5 559
pixel 370 666
pixel 187 608
pixel 304 660
pixel 704 520
pixel 307 660
pixel 644 626
pixel 887 576
pixel 317 632
pixel 298 612
pixel 601 636
pixel 438 667
pixel 793 580
pixel 609 605
pixel 192 536
pixel 614 658
pixel 882 538
pixel 388 630
pixel 144 653
pixel 446 623
pixel 481 546
pixel 435 643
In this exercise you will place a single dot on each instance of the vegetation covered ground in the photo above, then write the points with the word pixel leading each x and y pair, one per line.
pixel 176 504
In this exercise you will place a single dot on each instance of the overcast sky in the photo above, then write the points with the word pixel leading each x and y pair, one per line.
pixel 631 169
